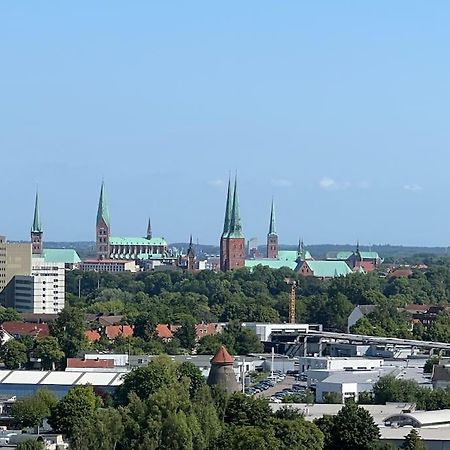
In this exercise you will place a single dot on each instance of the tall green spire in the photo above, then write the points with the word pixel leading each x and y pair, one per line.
pixel 103 210
pixel 235 221
pixel 37 225
pixel 272 226
pixel 227 221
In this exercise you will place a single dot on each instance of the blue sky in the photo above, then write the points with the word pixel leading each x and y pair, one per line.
pixel 340 110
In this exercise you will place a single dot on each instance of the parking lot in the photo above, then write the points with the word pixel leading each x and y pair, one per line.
pixel 287 383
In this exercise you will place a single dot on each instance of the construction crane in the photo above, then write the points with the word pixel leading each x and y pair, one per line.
pixel 292 298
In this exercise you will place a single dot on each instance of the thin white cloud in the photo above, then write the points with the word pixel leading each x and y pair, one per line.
pixel 328 183
pixel 413 187
pixel 216 183
pixel 281 182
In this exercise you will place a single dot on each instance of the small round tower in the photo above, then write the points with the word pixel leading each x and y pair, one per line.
pixel 221 372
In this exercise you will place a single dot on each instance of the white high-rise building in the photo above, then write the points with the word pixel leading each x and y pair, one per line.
pixel 48 286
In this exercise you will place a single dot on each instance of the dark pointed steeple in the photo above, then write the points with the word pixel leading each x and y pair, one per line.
pixel 235 220
pixel 190 251
pixel 37 225
pixel 103 210
pixel 149 229
pixel 227 220
pixel 272 226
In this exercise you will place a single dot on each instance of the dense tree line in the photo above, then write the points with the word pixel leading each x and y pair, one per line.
pixel 166 405
pixel 391 389
pixel 258 295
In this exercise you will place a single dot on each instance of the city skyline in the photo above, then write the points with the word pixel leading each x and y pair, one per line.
pixel 337 111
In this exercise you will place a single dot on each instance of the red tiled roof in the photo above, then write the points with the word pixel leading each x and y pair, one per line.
pixel 78 363
pixel 207 329
pixel 26 329
pixel 222 357
pixel 400 273
pixel 417 308
pixel 163 331
pixel 92 335
pixel 114 331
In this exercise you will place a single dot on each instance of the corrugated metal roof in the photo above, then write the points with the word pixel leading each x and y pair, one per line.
pixel 24 377
pixel 96 378
pixel 61 378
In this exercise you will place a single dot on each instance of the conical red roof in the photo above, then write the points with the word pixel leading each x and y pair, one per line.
pixel 222 356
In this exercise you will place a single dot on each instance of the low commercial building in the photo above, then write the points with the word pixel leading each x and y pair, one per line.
pixel 333 364
pixel 23 383
pixel 266 332
pixel 108 265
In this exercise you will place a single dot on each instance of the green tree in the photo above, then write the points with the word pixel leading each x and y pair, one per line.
pixel 186 335
pixel 413 442
pixel 247 437
pixel 145 326
pixel 74 411
pixel 9 315
pixel 48 350
pixel 145 381
pixel 332 398
pixel 31 444
pixel 355 428
pixel 193 374
pixel 69 329
pixel 326 425
pixel 31 411
pixel 209 345
pixel 297 434
pixel 440 330
pixel 13 354
pixel 243 410
pixel 390 389
pixel 430 363
pixel 103 433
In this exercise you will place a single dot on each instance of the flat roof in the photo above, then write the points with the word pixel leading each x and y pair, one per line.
pixel 424 418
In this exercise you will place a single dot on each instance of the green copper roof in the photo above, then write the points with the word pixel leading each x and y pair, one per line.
pixel 343 255
pixel 37 225
pixel 235 221
pixel 226 222
pixel 61 255
pixel 272 227
pixel 115 240
pixel 369 255
pixel 327 269
pixel 292 255
pixel 270 262
pixel 103 210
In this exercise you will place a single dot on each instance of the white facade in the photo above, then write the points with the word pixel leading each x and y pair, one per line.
pixel 264 330
pixel 334 364
pixel 48 286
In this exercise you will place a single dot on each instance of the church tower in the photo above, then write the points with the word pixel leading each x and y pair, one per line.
pixel 149 229
pixel 190 255
pixel 103 226
pixel 226 230
pixel 36 230
pixel 232 243
pixel 272 236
